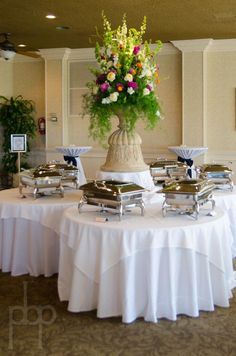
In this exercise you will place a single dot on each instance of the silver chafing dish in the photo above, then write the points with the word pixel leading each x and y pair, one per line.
pixel 187 195
pixel 112 195
pixel 41 180
pixel 163 170
pixel 219 174
pixel 68 172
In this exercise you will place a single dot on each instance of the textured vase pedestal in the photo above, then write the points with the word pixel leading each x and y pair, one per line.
pixel 124 153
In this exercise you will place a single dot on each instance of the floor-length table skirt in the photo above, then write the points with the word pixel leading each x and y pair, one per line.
pixel 150 267
pixel 28 247
pixel 226 200
pixel 29 231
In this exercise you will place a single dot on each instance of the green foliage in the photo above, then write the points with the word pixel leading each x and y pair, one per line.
pixel 124 82
pixel 16 117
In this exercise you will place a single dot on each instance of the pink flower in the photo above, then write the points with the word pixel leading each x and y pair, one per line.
pixel 133 85
pixel 136 50
pixel 104 87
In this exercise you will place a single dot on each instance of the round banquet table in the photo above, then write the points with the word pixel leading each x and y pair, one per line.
pixel 186 154
pixel 72 155
pixel 29 231
pixel 145 266
pixel 226 200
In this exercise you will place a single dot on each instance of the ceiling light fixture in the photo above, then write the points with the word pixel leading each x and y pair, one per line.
pixel 7 49
pixel 21 45
pixel 50 16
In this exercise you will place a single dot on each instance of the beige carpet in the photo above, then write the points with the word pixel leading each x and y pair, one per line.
pixel 213 333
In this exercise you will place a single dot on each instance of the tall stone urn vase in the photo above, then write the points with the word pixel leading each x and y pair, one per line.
pixel 124 152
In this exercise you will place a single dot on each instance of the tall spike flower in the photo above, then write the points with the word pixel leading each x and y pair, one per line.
pixel 125 79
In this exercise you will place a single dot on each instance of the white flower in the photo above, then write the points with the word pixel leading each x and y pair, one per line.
pixel 106 101
pixel 130 91
pixel 115 59
pixel 146 72
pixel 146 91
pixel 114 96
pixel 128 77
pixel 159 115
pixel 111 76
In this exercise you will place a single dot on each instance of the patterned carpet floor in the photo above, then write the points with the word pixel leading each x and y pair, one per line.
pixel 55 331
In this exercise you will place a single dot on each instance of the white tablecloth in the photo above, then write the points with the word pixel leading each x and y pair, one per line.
pixel 187 152
pixel 144 179
pixel 149 266
pixel 76 151
pixel 29 241
pixel 226 200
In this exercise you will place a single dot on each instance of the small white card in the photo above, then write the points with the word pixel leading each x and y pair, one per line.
pixel 101 219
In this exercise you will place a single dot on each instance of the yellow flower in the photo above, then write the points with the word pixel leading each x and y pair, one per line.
pixel 111 76
pixel 128 77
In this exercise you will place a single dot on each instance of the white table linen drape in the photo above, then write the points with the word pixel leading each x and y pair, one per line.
pixel 29 231
pixel 226 200
pixel 76 152
pixel 188 152
pixel 150 267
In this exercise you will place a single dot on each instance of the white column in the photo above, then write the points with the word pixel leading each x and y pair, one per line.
pixel 194 97
pixel 56 87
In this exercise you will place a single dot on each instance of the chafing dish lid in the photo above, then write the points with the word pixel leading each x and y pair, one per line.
pixel 208 168
pixel 166 163
pixel 188 186
pixel 40 173
pixel 58 166
pixel 111 187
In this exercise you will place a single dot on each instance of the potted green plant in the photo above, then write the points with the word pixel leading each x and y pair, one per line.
pixel 124 86
pixel 16 117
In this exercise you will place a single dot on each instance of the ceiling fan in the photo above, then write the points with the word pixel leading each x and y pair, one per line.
pixel 8 50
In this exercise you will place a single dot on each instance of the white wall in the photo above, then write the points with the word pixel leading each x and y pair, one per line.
pixel 6 77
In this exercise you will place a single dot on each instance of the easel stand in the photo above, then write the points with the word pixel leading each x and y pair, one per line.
pixel 20 186
pixel 18 164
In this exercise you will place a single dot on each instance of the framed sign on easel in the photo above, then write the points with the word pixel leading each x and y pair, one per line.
pixel 18 145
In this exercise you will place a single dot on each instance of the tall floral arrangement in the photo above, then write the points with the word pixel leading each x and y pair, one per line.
pixel 125 80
